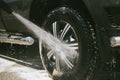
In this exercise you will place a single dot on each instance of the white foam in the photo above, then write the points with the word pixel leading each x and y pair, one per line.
pixel 23 72
pixel 5 64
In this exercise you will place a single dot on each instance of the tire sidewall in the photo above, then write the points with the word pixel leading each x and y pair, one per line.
pixel 84 40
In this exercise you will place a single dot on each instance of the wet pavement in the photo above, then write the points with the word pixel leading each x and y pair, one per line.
pixel 18 62
pixel 10 70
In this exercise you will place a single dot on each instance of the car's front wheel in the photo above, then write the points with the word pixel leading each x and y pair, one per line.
pixel 67 25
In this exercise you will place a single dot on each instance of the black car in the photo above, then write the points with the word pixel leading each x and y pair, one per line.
pixel 91 27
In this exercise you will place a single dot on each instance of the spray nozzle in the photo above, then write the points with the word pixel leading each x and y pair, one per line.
pixel 5 6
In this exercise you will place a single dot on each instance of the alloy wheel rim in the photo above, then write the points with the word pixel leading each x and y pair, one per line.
pixel 65 32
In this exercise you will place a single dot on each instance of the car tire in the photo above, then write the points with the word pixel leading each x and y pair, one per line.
pixel 85 65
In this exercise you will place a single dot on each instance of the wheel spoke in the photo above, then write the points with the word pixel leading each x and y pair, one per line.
pixel 54 25
pixel 50 54
pixel 73 46
pixel 65 30
pixel 57 64
pixel 68 63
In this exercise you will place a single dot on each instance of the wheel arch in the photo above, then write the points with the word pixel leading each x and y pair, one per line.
pixel 40 8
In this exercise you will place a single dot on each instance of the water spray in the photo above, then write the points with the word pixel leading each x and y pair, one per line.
pixel 63 53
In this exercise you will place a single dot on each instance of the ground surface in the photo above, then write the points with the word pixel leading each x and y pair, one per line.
pixel 10 70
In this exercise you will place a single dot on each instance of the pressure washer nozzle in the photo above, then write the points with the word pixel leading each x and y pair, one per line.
pixel 5 7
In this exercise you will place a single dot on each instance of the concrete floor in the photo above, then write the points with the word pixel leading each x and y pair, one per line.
pixel 10 70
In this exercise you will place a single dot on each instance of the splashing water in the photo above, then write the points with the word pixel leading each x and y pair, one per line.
pixel 62 51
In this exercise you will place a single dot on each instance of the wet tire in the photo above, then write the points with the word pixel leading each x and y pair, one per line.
pixel 67 25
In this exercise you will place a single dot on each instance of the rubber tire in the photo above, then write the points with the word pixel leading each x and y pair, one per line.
pixel 86 67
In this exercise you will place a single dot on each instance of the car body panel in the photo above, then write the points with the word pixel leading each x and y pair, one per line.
pixel 96 8
pixel 11 23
